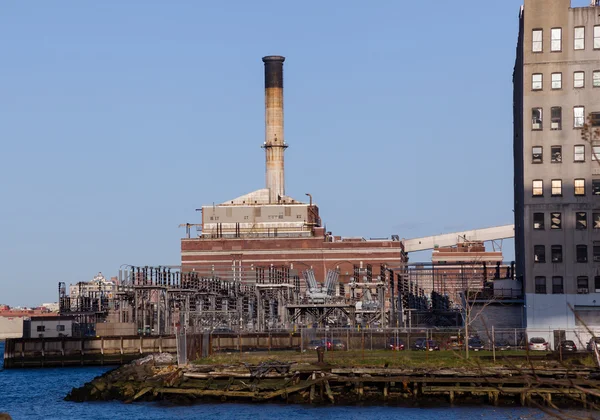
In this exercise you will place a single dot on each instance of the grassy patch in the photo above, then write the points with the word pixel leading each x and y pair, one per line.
pixel 402 359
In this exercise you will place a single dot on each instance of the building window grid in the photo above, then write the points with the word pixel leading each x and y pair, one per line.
pixel 596 78
pixel 538 221
pixel 579 184
pixel 538 188
pixel 583 285
pixel 555 220
pixel 555 118
pixel 578 79
pixel 578 116
pixel 537 40
pixel 595 152
pixel 540 285
pixel 536 118
pixel 556 39
pixel 556 188
pixel 537 154
pixel 595 186
pixel 581 253
pixel 539 254
pixel 557 285
pixel 579 38
pixel 556 79
pixel 597 37
pixel 537 81
pixel 596 220
pixel 556 154
pixel 596 251
pixel 556 254
pixel 579 153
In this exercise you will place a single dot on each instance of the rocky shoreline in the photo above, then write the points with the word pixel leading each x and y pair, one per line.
pixel 158 378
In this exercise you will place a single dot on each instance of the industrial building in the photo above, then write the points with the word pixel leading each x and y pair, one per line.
pixel 264 261
pixel 557 163
pixel 267 228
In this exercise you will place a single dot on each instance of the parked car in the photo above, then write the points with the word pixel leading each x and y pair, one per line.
pixel 454 343
pixel 395 343
pixel 338 344
pixel 567 345
pixel 538 344
pixel 476 344
pixel 426 345
pixel 590 344
pixel 313 344
pixel 502 345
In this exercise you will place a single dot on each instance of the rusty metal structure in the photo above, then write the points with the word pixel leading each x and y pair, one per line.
pixel 249 298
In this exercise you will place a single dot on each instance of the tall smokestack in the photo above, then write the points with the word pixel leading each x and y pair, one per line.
pixel 274 141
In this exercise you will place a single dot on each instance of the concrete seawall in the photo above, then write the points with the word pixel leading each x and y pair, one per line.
pixel 89 351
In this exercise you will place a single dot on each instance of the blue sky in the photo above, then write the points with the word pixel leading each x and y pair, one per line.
pixel 120 117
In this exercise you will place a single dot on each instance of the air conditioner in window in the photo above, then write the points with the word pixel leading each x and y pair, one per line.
pixel 554 126
pixel 596 258
pixel 583 291
pixel 536 125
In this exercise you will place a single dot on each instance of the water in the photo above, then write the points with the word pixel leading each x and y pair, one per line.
pixel 39 393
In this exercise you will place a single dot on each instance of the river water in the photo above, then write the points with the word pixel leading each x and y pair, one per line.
pixel 39 393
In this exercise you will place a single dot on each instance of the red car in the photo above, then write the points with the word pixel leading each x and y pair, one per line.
pixel 395 343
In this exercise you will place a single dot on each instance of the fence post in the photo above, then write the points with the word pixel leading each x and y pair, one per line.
pixel 493 344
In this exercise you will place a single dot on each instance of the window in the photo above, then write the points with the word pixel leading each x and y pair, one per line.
pixel 582 253
pixel 579 38
pixel 537 154
pixel 538 188
pixel 537 37
pixel 595 119
pixel 555 220
pixel 578 116
pixel 595 186
pixel 556 188
pixel 536 81
pixel 539 253
pixel 582 285
pixel 556 253
pixel 555 39
pixel 596 152
pixel 596 78
pixel 555 118
pixel 41 328
pixel 557 285
pixel 556 80
pixel 597 37
pixel 578 79
pixel 580 220
pixel 60 328
pixel 580 186
pixel 540 285
pixel 596 220
pixel 536 118
pixel 596 251
pixel 538 221
pixel 579 153
pixel 556 154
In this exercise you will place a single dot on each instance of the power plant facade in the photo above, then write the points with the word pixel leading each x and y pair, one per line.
pixel 266 227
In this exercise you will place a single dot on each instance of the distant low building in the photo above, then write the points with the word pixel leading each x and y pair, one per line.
pixel 48 327
pixel 95 288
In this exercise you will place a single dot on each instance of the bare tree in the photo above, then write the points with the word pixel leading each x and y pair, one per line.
pixel 590 133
